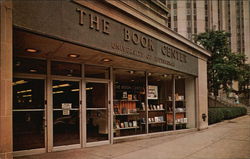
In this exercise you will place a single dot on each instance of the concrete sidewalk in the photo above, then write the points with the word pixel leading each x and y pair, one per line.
pixel 226 140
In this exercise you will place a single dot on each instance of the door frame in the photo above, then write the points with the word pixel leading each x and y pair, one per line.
pixel 36 150
pixel 52 148
pixel 110 116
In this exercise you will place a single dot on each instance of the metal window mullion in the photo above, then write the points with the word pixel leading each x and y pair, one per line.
pixel 83 110
pixel 173 102
pixel 146 101
pixel 49 108
pixel 111 106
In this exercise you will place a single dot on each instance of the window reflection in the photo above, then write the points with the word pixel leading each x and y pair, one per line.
pixel 28 114
pixel 34 66
pixel 28 93
pixel 65 69
pixel 65 92
pixel 96 72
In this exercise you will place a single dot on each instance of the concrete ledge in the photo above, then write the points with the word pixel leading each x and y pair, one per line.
pixel 152 135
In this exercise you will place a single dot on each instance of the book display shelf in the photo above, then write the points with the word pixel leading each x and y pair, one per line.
pixel 129 94
pixel 161 110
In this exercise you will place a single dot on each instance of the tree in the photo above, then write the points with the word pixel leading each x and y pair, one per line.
pixel 223 66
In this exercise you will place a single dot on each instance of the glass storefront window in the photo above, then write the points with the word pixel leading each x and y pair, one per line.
pixel 129 102
pixel 28 93
pixel 180 107
pixel 28 114
pixel 65 69
pixel 181 119
pixel 34 66
pixel 159 104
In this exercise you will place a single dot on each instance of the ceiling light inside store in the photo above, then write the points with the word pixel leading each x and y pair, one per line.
pixel 18 63
pixel 165 75
pixel 106 60
pixel 149 74
pixel 31 50
pixel 90 88
pixel 24 91
pixel 179 77
pixel 19 82
pixel 131 72
pixel 132 80
pixel 73 55
pixel 33 70
pixel 57 92
pixel 61 85
pixel 28 95
pixel 74 90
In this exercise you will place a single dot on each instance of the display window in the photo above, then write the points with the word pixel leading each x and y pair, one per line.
pixel 159 91
pixel 129 102
pixel 180 104
pixel 161 108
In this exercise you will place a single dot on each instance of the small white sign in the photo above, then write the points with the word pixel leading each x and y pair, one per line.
pixel 66 108
pixel 152 92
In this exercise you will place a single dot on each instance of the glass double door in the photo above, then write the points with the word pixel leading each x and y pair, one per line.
pixel 66 112
pixel 31 111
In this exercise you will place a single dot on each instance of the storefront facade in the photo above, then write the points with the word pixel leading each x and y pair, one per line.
pixel 76 74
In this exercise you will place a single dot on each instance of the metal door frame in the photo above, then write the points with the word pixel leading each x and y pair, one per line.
pixel 110 116
pixel 50 110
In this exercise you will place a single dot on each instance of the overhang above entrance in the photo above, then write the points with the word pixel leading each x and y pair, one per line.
pixel 48 48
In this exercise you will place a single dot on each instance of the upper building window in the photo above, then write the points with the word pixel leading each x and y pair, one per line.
pixel 175 5
pixel 188 11
pixel 175 12
pixel 169 6
pixel 188 5
pixel 194 4
pixel 194 11
pixel 175 18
